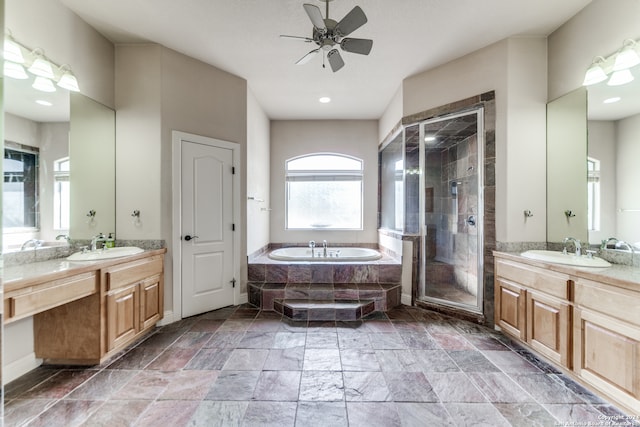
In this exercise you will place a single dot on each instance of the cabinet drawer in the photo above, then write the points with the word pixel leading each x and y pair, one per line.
pixel 615 302
pixel 131 272
pixel 550 282
pixel 44 297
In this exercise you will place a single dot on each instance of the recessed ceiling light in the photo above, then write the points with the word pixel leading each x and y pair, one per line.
pixel 324 100
pixel 611 100
pixel 43 102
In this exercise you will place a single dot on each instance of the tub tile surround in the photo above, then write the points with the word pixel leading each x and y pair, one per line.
pixel 244 366
pixel 330 290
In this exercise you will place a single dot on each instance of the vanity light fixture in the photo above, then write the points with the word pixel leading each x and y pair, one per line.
pixel 627 57
pixel 595 73
pixel 43 84
pixel 15 71
pixel 68 80
pixel 619 78
pixel 13 51
pixel 40 66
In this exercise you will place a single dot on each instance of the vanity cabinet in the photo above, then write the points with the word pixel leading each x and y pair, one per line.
pixel 134 299
pixel 607 340
pixel 534 305
pixel 88 312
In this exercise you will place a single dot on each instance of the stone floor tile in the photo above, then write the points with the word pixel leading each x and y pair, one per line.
pixel 366 387
pixel 386 341
pixel 323 340
pixel 373 414
pixel 20 385
pixel 168 413
pixel 192 340
pixel 209 358
pixel 18 412
pixel 351 340
pixel 498 387
pixel 526 414
pixel 189 385
pixel 545 389
pixel 284 359
pixel 218 414
pixel 454 387
pixel 206 325
pixel 409 387
pixel 270 414
pixel 137 358
pixel 565 413
pixel 117 413
pixel 476 414
pixel 322 360
pixel 172 359
pixel 452 342
pixel 472 361
pixel 102 385
pixel 289 339
pixel 59 385
pixel 257 340
pixel 431 361
pixel 359 360
pixel 66 413
pixel 234 385
pixel 321 414
pixel 146 385
pixel 423 414
pixel 325 386
pixel 510 362
pixel 228 339
pixel 243 359
pixel 279 386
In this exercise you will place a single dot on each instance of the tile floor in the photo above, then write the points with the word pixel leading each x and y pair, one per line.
pixel 241 366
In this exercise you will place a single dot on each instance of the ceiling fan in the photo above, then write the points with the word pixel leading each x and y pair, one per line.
pixel 328 33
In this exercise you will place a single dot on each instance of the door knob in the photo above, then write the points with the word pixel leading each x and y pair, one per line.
pixel 188 237
pixel 471 220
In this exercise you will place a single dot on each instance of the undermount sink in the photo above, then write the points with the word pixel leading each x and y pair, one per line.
pixel 100 254
pixel 567 259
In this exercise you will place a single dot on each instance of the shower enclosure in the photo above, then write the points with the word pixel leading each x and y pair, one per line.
pixel 431 176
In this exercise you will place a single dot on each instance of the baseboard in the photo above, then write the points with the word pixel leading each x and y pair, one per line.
pixel 243 298
pixel 167 319
pixel 20 367
pixel 405 299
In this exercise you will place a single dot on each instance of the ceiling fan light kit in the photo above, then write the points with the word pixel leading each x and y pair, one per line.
pixel 328 34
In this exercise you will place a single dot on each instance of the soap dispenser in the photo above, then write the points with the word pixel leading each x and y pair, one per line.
pixel 111 241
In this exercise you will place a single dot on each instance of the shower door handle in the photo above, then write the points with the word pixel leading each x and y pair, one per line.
pixel 471 220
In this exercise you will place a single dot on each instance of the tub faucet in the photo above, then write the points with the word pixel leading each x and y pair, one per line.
pixel 324 248
pixel 312 245
pixel 576 243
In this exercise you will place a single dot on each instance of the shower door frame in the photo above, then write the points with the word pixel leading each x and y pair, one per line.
pixel 480 135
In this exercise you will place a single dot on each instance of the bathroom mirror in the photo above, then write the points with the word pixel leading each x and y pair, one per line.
pixel 593 143
pixel 73 129
pixel 613 153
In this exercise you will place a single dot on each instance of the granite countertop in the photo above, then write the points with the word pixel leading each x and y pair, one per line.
pixel 622 276
pixel 19 276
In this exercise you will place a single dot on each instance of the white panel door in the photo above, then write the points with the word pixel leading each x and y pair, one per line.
pixel 207 227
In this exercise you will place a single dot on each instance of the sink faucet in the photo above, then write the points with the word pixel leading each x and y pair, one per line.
pixel 63 236
pixel 33 242
pixel 312 245
pixel 324 248
pixel 576 243
pixel 100 237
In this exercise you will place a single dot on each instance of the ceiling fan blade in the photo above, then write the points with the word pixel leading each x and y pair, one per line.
pixel 308 57
pixel 351 22
pixel 335 60
pixel 316 16
pixel 361 46
pixel 306 39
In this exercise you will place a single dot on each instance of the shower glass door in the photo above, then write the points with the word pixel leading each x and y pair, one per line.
pixel 452 234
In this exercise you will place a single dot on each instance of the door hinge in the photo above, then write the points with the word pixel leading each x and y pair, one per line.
pixel 233 170
pixel 233 282
pixel 233 227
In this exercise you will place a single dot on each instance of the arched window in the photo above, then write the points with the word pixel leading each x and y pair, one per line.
pixel 324 191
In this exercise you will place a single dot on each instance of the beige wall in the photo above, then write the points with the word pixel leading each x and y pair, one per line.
pixel 515 69
pixel 357 138
pixel 627 178
pixel 391 117
pixel 258 171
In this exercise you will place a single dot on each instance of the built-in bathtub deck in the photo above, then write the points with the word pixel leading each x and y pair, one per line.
pixel 324 290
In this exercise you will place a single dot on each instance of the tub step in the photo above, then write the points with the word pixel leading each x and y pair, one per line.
pixel 323 310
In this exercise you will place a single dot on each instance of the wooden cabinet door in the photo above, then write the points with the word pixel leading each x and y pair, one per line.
pixel 510 307
pixel 151 301
pixel 607 356
pixel 123 315
pixel 549 327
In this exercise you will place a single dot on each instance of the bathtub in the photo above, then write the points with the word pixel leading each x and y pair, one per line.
pixel 333 254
